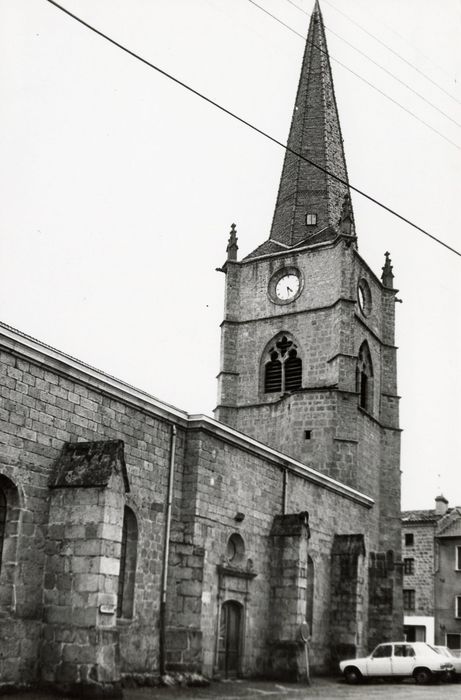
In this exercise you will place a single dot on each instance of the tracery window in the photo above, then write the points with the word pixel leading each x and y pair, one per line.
pixel 283 369
pixel 128 553
pixel 364 378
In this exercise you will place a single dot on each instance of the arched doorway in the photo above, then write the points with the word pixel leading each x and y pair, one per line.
pixel 230 638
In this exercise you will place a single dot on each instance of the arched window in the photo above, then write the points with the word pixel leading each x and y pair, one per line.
pixel 283 368
pixel 310 593
pixel 126 577
pixel 10 512
pixel 364 378
pixel 2 522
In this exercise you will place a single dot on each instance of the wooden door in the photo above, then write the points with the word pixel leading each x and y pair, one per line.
pixel 230 634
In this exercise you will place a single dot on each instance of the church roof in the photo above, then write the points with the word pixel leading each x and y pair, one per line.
pixel 315 133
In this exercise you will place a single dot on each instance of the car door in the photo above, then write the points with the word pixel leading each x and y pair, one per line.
pixel 403 660
pixel 379 663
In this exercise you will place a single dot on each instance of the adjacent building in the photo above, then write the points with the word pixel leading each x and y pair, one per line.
pixel 138 539
pixel 431 554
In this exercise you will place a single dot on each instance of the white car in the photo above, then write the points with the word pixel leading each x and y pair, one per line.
pixel 395 660
pixel 455 660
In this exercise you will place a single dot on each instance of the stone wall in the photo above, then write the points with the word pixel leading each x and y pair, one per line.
pixel 65 541
pixel 48 401
pixel 422 581
pixel 226 481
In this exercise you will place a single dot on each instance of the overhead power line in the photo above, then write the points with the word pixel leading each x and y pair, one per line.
pixel 399 56
pixel 357 75
pixel 395 77
pixel 373 36
pixel 250 125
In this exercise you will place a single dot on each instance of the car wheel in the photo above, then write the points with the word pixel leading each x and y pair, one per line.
pixel 422 676
pixel 352 675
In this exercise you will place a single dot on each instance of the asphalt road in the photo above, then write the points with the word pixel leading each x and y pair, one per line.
pixel 320 688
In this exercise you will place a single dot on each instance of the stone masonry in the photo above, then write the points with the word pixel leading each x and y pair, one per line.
pixel 138 540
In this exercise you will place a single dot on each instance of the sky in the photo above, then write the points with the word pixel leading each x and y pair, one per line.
pixel 119 187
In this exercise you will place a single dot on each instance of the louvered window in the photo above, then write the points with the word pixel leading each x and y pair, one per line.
pixel 293 371
pixel 283 370
pixel 273 375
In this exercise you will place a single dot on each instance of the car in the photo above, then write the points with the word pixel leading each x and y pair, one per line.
pixel 398 660
pixel 455 660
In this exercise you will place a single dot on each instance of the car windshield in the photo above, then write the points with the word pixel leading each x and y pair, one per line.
pixel 440 650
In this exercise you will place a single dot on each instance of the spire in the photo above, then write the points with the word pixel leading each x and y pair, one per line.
pixel 309 201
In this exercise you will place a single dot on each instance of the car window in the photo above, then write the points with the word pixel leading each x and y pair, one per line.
pixel 405 650
pixel 382 651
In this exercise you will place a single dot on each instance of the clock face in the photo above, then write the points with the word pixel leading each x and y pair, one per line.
pixel 287 287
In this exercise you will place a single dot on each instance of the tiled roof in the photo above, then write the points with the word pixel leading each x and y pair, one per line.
pixel 266 248
pixel 420 516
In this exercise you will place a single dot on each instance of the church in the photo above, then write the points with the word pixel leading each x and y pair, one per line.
pixel 138 540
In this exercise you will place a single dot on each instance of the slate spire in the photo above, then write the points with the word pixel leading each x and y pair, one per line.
pixel 315 133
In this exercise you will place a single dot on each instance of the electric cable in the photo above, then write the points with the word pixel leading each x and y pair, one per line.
pixel 402 58
pixel 357 75
pixel 250 125
pixel 399 56
pixel 395 77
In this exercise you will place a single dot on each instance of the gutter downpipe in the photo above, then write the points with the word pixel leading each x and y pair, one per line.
pixel 166 552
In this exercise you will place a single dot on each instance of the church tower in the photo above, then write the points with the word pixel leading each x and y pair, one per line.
pixel 308 361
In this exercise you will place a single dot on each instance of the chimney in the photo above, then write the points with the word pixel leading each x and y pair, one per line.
pixel 441 505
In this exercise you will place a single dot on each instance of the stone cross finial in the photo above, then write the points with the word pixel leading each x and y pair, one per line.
pixel 232 246
pixel 387 277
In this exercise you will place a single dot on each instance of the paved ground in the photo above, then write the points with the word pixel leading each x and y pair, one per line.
pixel 259 690
pixel 320 688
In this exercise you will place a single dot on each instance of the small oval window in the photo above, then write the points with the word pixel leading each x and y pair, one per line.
pixel 235 548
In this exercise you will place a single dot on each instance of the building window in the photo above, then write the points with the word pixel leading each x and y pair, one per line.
pixel 364 297
pixel 458 606
pixel 458 558
pixel 310 594
pixel 128 554
pixel 235 548
pixel 408 567
pixel 453 641
pixel 364 378
pixel 409 539
pixel 2 522
pixel 311 219
pixel 283 370
pixel 10 515
pixel 408 599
